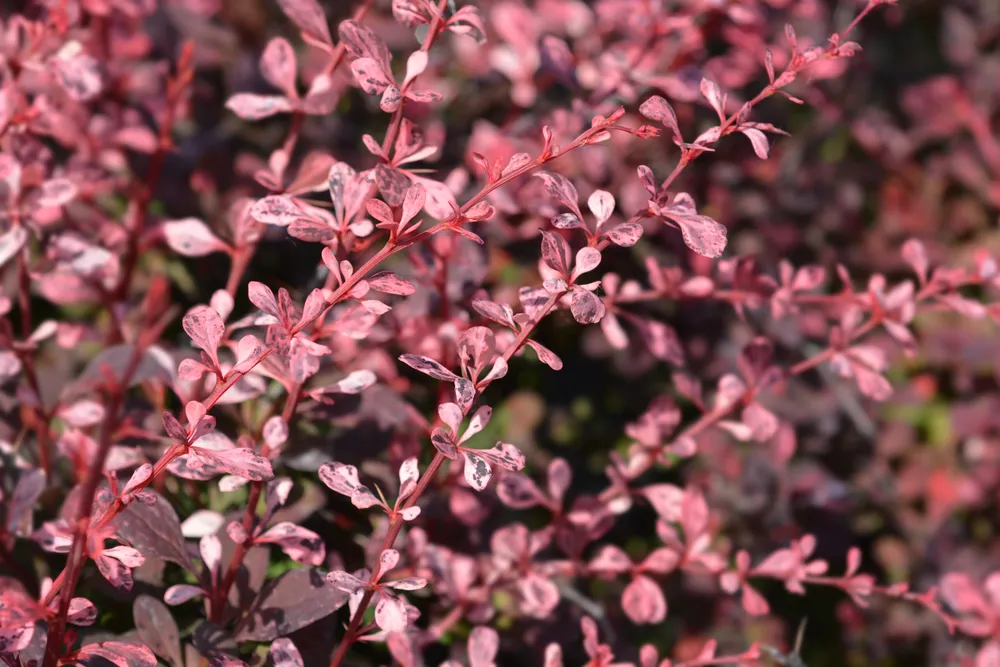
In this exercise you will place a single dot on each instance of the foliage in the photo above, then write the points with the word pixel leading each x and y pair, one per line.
pixel 759 365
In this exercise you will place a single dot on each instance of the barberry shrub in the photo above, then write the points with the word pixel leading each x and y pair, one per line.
pixel 621 332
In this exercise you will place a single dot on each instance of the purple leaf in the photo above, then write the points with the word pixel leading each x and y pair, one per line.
pixel 518 491
pixel 498 312
pixel 117 653
pixel 155 530
pixel 181 593
pixel 157 629
pixel 292 601
pixel 563 190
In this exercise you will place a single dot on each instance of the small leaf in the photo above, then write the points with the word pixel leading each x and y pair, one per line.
pixel 276 210
pixel 428 366
pixel 157 629
pixel 278 66
pixel 284 654
pixel 563 190
pixel 292 601
pixel 310 19
pixel 388 282
pixel 586 307
pixel 250 106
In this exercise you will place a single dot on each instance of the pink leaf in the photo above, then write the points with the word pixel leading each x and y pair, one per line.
pixel 467 21
pixel 241 462
pixel 371 77
pixel 276 210
pixel 206 329
pixel 181 593
pixel 498 312
pixel 284 654
pixel 362 42
pixel 118 653
pixel 390 614
pixel 759 141
pixel 610 560
pixel 714 95
pixel 310 19
pixel 914 253
pixel 390 283
pixel 477 471
pixel 555 252
pixel 262 297
pixel 546 356
pixel 658 109
pixel 57 192
pixel 701 233
pixel 563 190
pixel 567 221
pixel 413 201
pixel 484 642
pixel 626 234
pixel 136 482
pixel 504 455
pixel 11 243
pixel 278 65
pixel 643 601
pixel 586 307
pixel 78 73
pixel 602 205
pixel 191 237
pixel 587 259
pixel 250 106
pixel 300 544
pixel 518 491
pixel 340 477
pixel 428 366
pixel 81 612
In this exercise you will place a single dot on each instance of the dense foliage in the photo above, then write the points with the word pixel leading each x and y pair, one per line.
pixel 517 332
